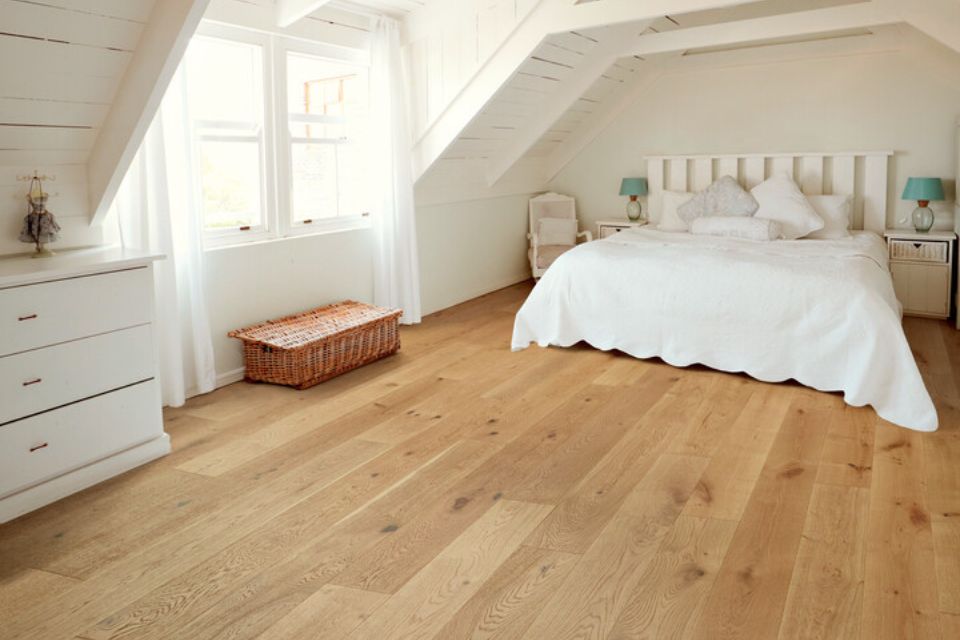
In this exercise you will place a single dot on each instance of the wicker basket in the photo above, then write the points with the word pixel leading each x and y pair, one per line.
pixel 307 348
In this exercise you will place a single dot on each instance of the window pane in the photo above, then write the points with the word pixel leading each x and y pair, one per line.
pixel 230 181
pixel 225 80
pixel 352 174
pixel 314 181
pixel 321 87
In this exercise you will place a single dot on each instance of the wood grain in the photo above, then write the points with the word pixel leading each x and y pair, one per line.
pixel 459 490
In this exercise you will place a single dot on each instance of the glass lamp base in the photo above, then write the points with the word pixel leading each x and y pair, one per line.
pixel 634 211
pixel 923 219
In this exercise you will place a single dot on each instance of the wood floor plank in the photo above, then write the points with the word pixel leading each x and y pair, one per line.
pixel 432 597
pixel 900 594
pixel 281 588
pixel 848 452
pixel 24 588
pixel 729 480
pixel 580 517
pixel 607 423
pixel 825 600
pixel 592 597
pixel 747 598
pixel 671 593
pixel 510 599
pixel 393 561
pixel 332 612
pixel 149 567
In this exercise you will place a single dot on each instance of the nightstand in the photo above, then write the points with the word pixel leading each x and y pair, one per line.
pixel 606 228
pixel 922 269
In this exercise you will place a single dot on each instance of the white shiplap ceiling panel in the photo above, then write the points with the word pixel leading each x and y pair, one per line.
pixel 63 61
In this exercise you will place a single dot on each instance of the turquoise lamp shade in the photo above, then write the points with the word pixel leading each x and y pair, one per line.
pixel 633 187
pixel 923 189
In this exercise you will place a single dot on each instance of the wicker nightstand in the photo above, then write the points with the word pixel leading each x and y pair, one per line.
pixel 606 228
pixel 922 269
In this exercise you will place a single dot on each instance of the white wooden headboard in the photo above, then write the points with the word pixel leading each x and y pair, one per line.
pixel 861 174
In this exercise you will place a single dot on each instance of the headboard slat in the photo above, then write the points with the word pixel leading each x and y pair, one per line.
pixel 817 173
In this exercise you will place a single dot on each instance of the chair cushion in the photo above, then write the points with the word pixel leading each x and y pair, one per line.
pixel 546 254
pixel 557 231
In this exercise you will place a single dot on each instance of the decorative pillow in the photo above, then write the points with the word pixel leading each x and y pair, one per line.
pixel 781 199
pixel 557 231
pixel 737 227
pixel 725 197
pixel 836 212
pixel 670 201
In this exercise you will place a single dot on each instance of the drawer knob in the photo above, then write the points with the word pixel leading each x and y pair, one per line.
pixel 32 382
pixel 39 446
pixel 32 316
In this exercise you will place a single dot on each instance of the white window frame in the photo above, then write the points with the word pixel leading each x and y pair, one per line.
pixel 284 47
pixel 276 143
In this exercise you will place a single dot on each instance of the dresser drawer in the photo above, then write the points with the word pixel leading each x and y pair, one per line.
pixel 49 444
pixel 937 251
pixel 41 379
pixel 39 315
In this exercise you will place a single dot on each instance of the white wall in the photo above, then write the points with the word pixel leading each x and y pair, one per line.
pixel 907 101
pixel 466 249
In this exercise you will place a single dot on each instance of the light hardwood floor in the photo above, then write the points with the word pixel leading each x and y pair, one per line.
pixel 458 490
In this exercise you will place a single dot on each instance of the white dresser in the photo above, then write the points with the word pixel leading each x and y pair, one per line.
pixel 79 401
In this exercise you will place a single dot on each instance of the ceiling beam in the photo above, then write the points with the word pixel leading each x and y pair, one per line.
pixel 548 17
pixel 802 23
pixel 289 11
pixel 612 12
pixel 158 54
pixel 555 104
pixel 610 109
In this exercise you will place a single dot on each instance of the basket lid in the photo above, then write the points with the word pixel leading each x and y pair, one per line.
pixel 310 326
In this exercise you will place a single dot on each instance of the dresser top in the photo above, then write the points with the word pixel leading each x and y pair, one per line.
pixel 20 270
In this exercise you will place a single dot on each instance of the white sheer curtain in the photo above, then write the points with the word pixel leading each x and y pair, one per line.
pixel 157 211
pixel 396 264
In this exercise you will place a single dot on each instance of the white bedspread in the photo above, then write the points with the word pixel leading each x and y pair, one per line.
pixel 822 312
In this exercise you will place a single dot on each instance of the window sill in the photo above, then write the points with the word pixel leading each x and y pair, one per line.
pixel 298 234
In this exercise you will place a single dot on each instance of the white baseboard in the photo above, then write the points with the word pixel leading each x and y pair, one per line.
pixel 229 377
pixel 43 494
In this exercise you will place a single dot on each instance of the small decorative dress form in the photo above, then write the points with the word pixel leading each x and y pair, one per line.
pixel 39 226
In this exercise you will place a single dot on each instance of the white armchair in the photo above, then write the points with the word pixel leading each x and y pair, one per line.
pixel 553 230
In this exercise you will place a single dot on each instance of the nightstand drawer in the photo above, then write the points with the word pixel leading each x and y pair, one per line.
pixel 920 250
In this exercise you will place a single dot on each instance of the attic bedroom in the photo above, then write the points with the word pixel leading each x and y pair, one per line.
pixel 451 319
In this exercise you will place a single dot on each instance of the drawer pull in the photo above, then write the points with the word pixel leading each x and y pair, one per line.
pixel 917 245
pixel 32 316
pixel 32 382
pixel 39 446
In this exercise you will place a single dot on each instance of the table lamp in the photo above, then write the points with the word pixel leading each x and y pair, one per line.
pixel 634 187
pixel 923 190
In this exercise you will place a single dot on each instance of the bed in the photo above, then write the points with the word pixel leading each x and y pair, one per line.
pixel 821 312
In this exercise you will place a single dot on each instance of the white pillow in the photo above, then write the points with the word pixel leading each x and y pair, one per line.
pixel 836 212
pixel 725 197
pixel 781 199
pixel 557 231
pixel 737 227
pixel 670 201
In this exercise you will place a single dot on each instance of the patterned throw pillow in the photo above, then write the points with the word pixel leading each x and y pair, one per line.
pixel 725 197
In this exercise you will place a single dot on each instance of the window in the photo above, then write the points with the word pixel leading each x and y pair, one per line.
pixel 326 104
pixel 261 176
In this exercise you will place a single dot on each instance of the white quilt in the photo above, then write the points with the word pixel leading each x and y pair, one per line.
pixel 822 312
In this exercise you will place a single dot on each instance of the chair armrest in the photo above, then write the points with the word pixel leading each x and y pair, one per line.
pixel 587 235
